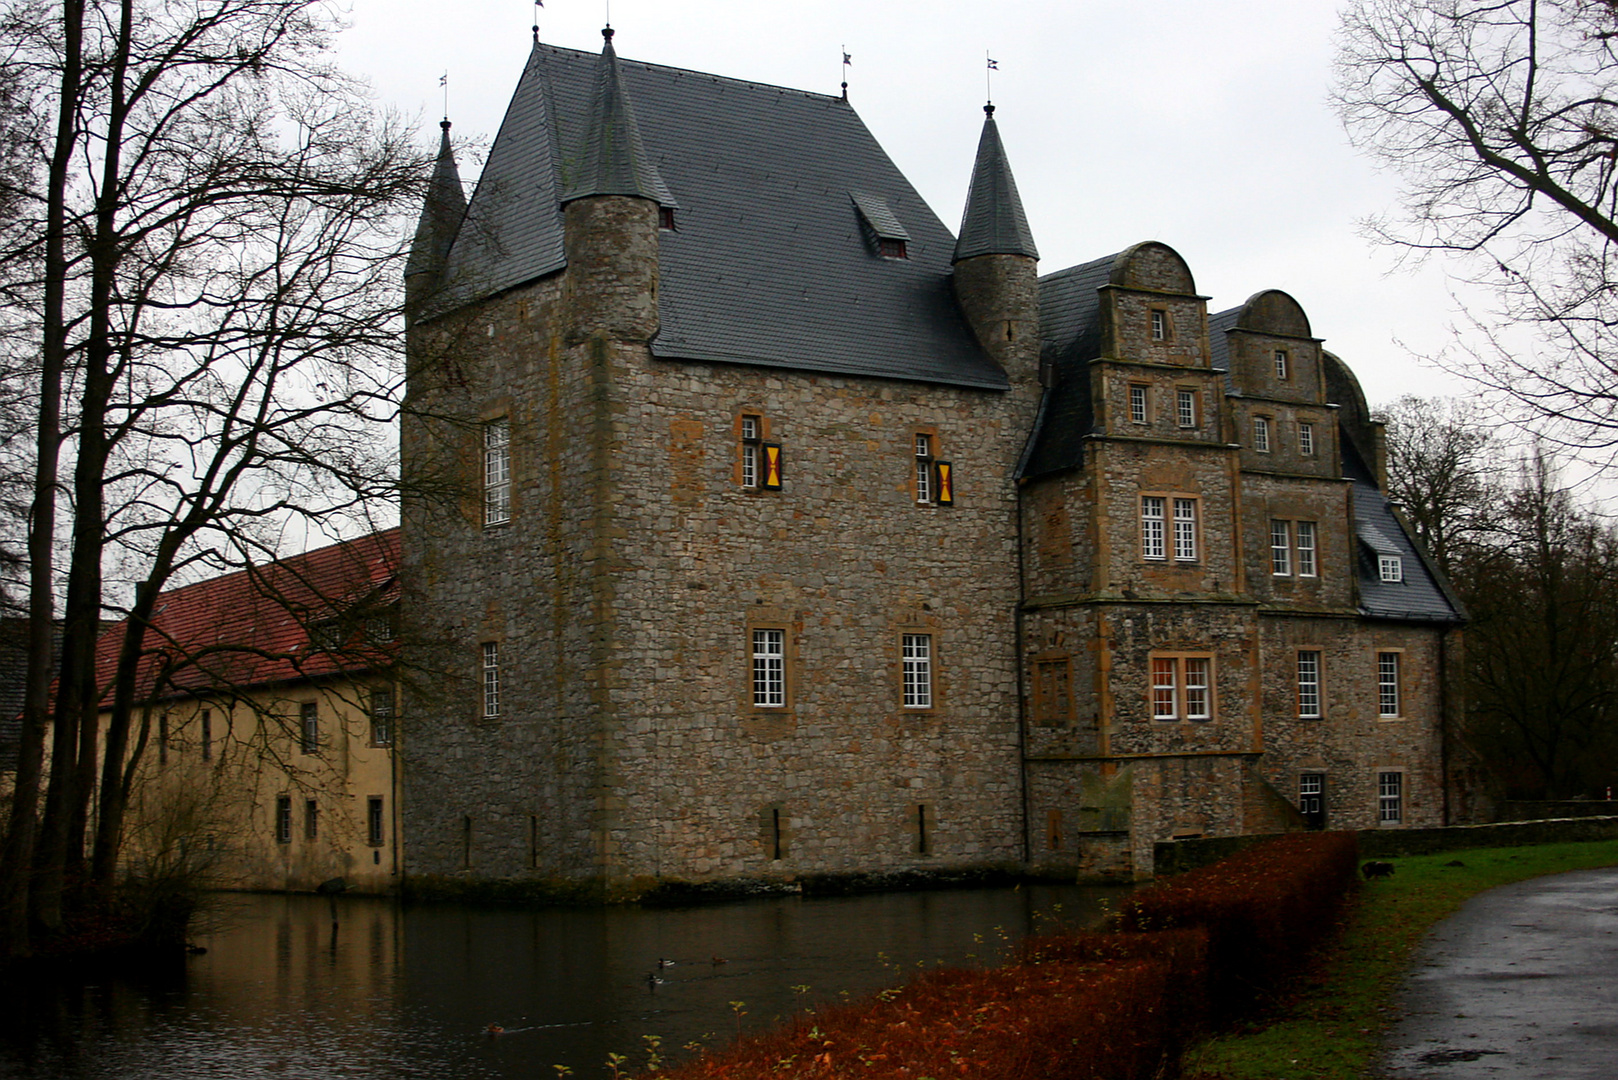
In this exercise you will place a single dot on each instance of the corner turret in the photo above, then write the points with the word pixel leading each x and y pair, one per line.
pixel 441 214
pixel 996 277
pixel 614 202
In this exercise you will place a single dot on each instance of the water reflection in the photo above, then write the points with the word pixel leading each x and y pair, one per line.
pixel 411 992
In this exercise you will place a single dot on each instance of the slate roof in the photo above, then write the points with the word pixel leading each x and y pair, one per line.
pixel 441 215
pixel 769 263
pixel 1422 596
pixel 993 222
pixel 252 628
pixel 1219 345
pixel 1068 310
pixel 613 160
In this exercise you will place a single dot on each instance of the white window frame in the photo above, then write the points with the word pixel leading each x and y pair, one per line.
pixel 1390 568
pixel 1185 407
pixel 1185 530
pixel 1311 785
pixel 1137 404
pixel 1181 686
pixel 496 472
pixel 1390 797
pixel 917 650
pixel 491 679
pixel 1306 438
pixel 752 432
pixel 1308 547
pixel 1160 324
pixel 1153 509
pixel 769 668
pixel 1280 548
pixel 924 468
pixel 1387 685
pixel 1281 365
pixel 1311 700
pixel 1261 434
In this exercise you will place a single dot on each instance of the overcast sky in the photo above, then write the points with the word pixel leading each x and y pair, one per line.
pixel 1200 123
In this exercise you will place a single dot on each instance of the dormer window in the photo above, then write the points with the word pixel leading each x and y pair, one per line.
pixel 881 226
pixel 891 248
pixel 665 218
pixel 1392 568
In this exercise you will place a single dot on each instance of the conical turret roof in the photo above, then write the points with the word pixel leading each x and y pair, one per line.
pixel 994 222
pixel 441 212
pixel 612 159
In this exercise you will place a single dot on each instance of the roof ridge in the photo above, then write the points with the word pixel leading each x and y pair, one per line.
pixel 710 76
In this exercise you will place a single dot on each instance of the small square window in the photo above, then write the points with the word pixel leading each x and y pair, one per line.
pixel 892 249
pixel 1137 404
pixel 665 218
pixel 1391 568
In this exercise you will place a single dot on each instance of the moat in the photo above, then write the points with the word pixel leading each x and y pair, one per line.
pixel 412 991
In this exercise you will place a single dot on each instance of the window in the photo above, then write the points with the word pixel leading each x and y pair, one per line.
pixel 1185 530
pixel 309 727
pixel 1160 324
pixel 1387 684
pixel 924 468
pixel 373 821
pixel 1182 687
pixel 1390 798
pixel 1281 364
pixel 1391 568
pixel 496 472
pixel 311 819
pixel 382 717
pixel 1151 527
pixel 1281 548
pixel 665 217
pixel 491 678
pixel 1261 434
pixel 752 452
pixel 1185 408
pixel 1306 439
pixel 1309 684
pixel 1306 549
pixel 769 669
pixel 1312 799
pixel 163 738
pixel 1137 404
pixel 918 671
pixel 283 819
pixel 207 735
pixel 890 248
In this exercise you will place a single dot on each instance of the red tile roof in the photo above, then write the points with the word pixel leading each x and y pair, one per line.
pixel 253 627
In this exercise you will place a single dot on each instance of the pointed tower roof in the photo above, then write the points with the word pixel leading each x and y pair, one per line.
pixel 612 159
pixel 994 222
pixel 441 212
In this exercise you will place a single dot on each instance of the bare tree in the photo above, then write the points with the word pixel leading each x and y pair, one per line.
pixel 1443 472
pixel 1500 117
pixel 223 227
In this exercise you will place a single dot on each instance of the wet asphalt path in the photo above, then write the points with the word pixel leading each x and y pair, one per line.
pixel 1520 984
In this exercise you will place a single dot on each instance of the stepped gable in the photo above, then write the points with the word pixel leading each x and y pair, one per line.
pixel 769 263
pixel 1069 326
pixel 252 627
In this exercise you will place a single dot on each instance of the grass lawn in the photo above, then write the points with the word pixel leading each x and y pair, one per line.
pixel 1333 1027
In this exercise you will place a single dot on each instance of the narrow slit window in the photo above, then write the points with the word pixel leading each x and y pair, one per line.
pixel 382 717
pixel 283 819
pixel 752 452
pixel 311 819
pixel 924 468
pixel 207 735
pixel 374 822
pixel 309 727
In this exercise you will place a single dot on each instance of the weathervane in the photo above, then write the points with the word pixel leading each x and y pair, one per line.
pixel 988 86
pixel 443 81
pixel 537 5
pixel 847 60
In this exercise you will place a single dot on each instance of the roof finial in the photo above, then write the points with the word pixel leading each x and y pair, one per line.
pixel 988 85
pixel 537 5
pixel 443 81
pixel 847 60
pixel 606 31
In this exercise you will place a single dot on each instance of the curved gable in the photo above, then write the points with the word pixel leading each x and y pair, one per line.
pixel 1152 266
pixel 1274 312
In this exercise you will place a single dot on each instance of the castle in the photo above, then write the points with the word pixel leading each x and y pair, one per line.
pixel 758 527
